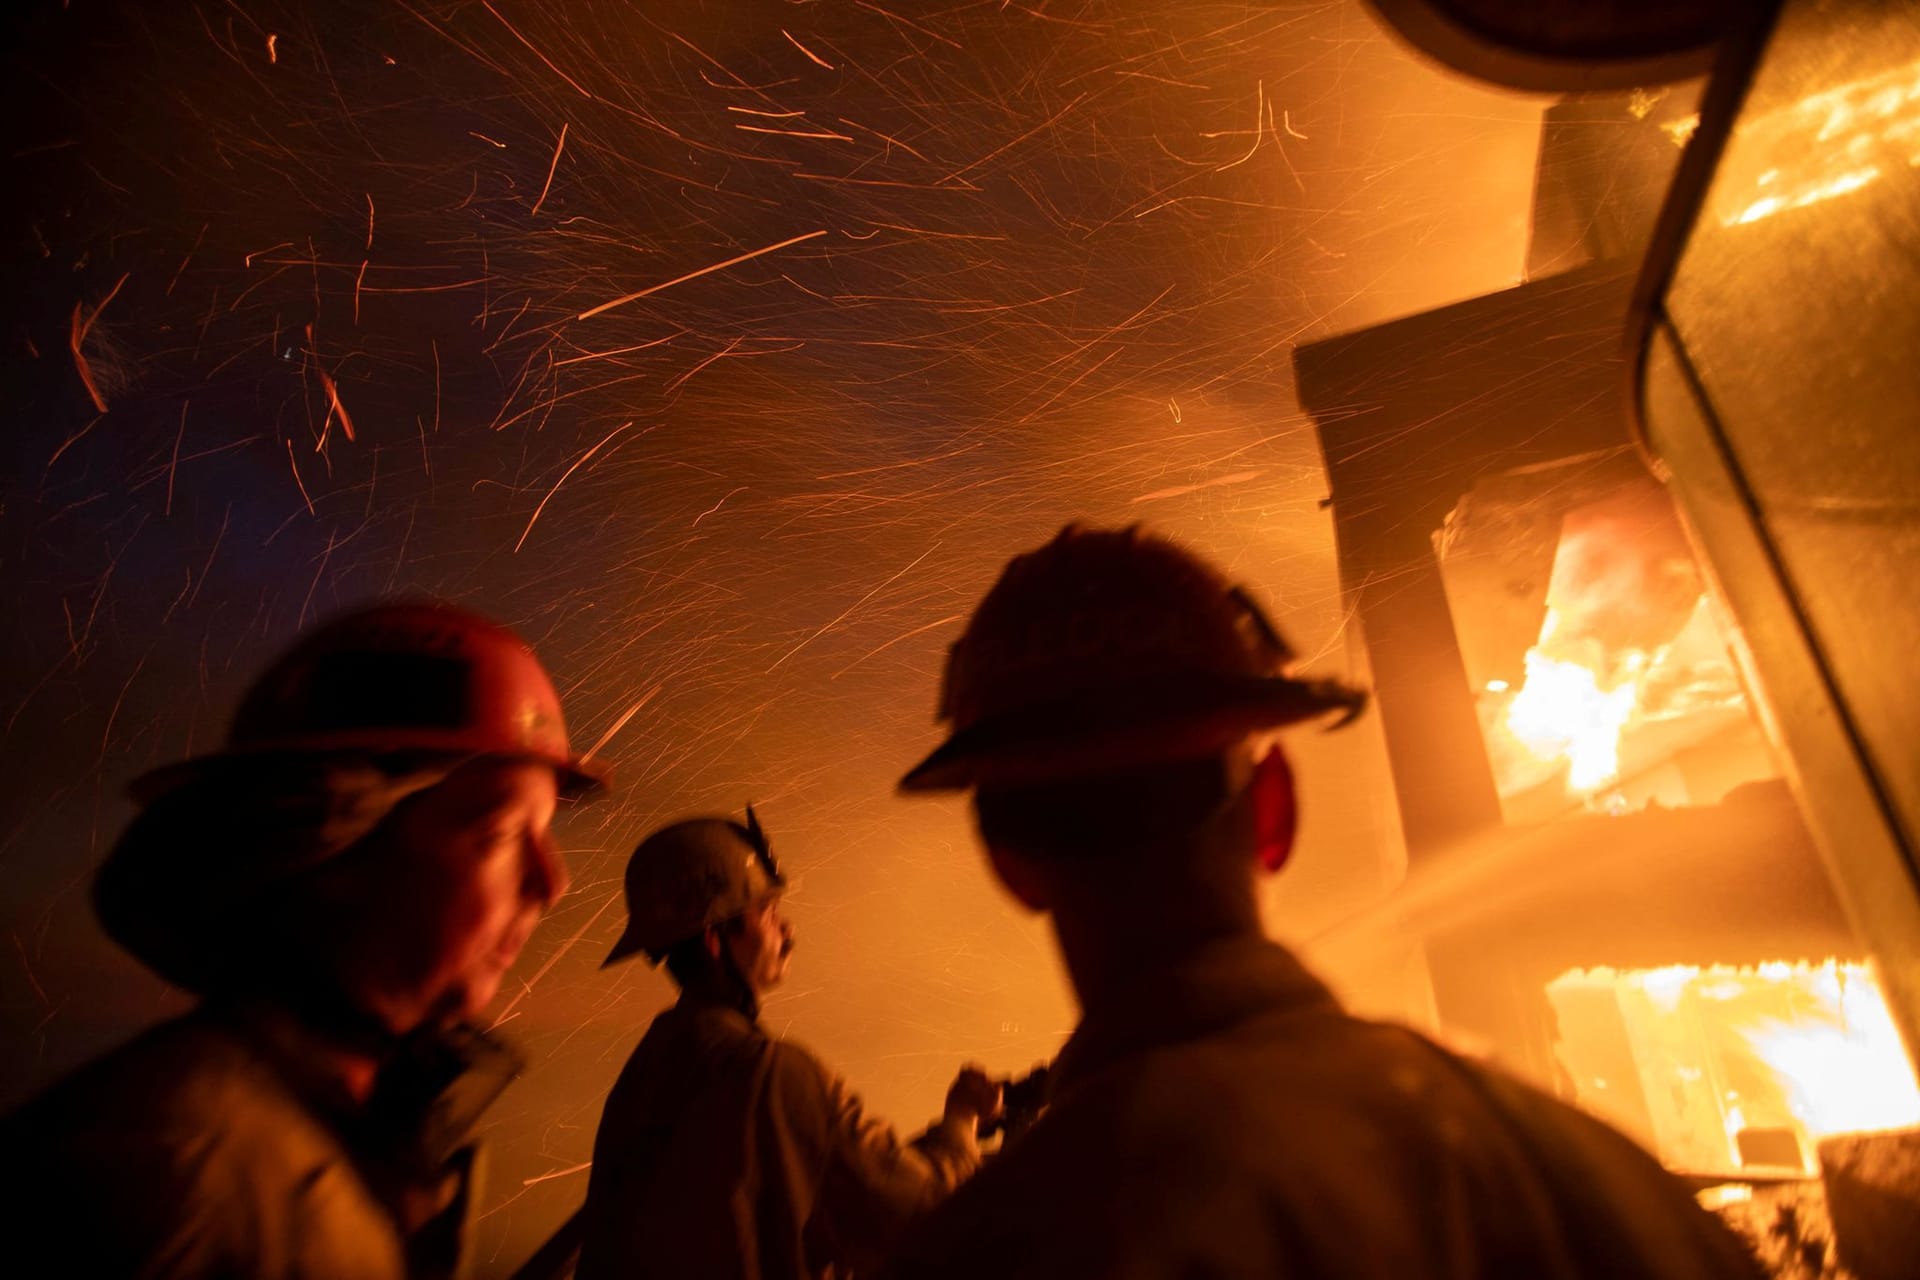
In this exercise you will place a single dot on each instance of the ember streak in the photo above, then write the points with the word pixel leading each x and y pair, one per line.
pixel 724 349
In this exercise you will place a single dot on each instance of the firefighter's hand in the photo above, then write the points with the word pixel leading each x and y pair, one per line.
pixel 973 1096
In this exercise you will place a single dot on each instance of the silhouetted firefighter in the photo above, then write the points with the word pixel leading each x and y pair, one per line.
pixel 1113 702
pixel 723 1151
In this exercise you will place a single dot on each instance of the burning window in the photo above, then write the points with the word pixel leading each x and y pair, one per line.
pixel 1727 1070
pixel 1602 673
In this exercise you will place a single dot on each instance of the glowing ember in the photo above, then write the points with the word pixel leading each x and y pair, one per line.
pixel 1735 1067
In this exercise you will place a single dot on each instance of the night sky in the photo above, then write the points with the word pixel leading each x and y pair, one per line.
pixel 726 351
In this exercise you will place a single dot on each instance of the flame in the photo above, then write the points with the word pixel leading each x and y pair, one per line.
pixel 1561 710
pixel 1629 694
pixel 1807 1048
pixel 1844 1069
pixel 1582 699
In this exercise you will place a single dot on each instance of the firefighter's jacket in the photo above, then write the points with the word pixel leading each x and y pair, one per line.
pixel 221 1145
pixel 727 1154
pixel 1230 1120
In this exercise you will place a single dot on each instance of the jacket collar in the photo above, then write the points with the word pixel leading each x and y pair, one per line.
pixel 1219 984
pixel 429 1089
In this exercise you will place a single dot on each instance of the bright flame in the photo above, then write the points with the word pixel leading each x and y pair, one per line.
pixel 1810 1049
pixel 1561 710
pixel 1844 1072
pixel 1584 704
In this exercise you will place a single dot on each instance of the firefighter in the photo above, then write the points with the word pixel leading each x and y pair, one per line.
pixel 726 1152
pixel 343 887
pixel 1113 703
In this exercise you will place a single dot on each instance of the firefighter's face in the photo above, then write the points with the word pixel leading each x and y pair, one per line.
pixel 761 944
pixel 463 872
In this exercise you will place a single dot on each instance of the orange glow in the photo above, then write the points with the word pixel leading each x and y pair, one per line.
pixel 1794 1052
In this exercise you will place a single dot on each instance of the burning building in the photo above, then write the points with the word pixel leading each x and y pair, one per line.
pixel 732 401
pixel 1628 860
pixel 1552 666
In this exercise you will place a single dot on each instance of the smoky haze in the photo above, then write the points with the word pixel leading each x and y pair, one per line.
pixel 724 350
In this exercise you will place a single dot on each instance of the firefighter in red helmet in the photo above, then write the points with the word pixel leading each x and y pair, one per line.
pixel 343 885
pixel 1113 704
pixel 725 1152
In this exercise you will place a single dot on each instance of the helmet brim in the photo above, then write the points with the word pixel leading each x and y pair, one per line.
pixel 1108 731
pixel 628 947
pixel 578 779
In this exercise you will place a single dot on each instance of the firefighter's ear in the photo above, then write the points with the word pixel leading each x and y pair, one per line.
pixel 1021 877
pixel 1276 812
pixel 710 939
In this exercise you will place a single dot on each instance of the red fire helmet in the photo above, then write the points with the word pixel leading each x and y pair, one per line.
pixel 1108 650
pixel 399 677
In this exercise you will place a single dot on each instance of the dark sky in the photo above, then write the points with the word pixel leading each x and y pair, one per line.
pixel 297 315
